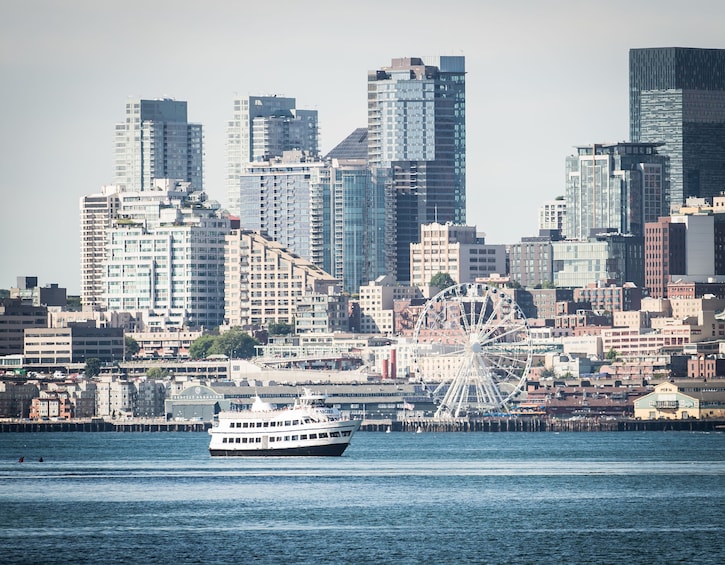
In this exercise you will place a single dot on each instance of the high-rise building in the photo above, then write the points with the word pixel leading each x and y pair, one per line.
pixel 417 148
pixel 283 198
pixel 614 187
pixel 165 257
pixel 156 141
pixel 353 216
pixel 97 214
pixel 677 97
pixel 262 128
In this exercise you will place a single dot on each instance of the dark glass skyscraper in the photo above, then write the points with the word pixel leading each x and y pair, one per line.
pixel 417 148
pixel 677 96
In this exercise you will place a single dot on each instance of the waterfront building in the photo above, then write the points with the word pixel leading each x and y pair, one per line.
pixel 51 405
pixel 16 399
pixel 115 397
pixel 150 397
pixel 417 148
pixel 155 141
pixel 456 250
pixel 97 214
pixel 552 215
pixel 264 280
pixel 614 187
pixel 607 257
pixel 165 257
pixel 262 128
pixel 682 400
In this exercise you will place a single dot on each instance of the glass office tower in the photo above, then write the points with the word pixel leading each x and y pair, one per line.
pixel 417 148
pixel 677 96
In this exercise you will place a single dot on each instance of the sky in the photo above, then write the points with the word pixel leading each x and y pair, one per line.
pixel 542 77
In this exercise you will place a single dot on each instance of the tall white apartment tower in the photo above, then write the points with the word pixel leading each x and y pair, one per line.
pixel 165 257
pixel 97 214
pixel 262 128
pixel 156 141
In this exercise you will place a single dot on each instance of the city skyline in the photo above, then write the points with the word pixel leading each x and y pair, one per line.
pixel 541 79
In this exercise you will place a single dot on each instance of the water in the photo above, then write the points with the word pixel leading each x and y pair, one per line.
pixel 595 498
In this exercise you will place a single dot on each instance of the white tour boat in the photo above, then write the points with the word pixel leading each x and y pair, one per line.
pixel 311 427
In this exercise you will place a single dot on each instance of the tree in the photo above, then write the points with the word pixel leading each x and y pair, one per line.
pixel 235 344
pixel 131 347
pixel 201 346
pixel 279 328
pixel 157 374
pixel 612 354
pixel 442 281
pixel 93 367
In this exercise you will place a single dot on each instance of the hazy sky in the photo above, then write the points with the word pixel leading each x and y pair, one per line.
pixel 542 77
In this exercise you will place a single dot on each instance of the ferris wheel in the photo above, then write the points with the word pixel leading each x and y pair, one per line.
pixel 474 341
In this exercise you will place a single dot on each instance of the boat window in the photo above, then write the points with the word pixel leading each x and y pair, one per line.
pixel 287 423
pixel 313 436
pixel 272 438
pixel 244 424
pixel 303 436
pixel 307 420
pixel 224 440
pixel 237 440
pixel 334 434
pixel 295 438
pixel 273 424
pixel 286 438
pixel 346 433
pixel 257 440
pixel 244 440
pixel 295 422
pixel 323 434
pixel 266 425
pixel 259 424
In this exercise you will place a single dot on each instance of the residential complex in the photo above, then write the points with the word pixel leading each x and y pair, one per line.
pixel 614 187
pixel 156 141
pixel 262 128
pixel 265 281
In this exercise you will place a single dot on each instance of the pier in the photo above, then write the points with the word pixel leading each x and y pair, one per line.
pixel 101 425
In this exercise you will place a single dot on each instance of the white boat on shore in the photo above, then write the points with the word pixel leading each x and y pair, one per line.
pixel 311 427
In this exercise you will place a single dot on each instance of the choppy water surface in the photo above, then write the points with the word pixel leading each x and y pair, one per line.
pixel 656 497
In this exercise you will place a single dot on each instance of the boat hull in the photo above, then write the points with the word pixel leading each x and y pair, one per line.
pixel 329 450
